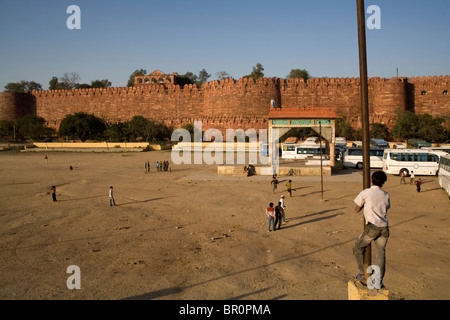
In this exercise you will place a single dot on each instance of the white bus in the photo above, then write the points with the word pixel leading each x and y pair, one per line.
pixel 444 173
pixel 441 149
pixel 302 151
pixel 288 150
pixel 353 158
pixel 422 162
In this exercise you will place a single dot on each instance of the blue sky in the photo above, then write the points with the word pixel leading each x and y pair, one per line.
pixel 118 37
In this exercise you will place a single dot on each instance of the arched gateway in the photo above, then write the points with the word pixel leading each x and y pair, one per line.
pixel 321 120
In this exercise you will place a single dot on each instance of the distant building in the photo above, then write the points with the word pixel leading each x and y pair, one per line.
pixel 156 78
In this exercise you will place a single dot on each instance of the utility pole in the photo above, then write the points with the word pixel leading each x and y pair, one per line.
pixel 364 112
pixel 321 165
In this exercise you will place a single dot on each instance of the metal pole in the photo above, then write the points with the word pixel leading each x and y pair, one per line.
pixel 364 111
pixel 321 166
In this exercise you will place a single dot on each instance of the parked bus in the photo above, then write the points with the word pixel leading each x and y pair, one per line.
pixel 441 149
pixel 379 143
pixel 353 158
pixel 288 150
pixel 301 151
pixel 340 144
pixel 444 173
pixel 417 144
pixel 422 162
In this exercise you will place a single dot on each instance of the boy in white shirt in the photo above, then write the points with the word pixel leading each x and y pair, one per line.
pixel 111 197
pixel 284 208
pixel 376 203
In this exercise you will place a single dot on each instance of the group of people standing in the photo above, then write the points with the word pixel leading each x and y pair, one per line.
pixel 160 166
pixel 276 214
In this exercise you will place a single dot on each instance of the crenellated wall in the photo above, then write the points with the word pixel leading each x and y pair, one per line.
pixel 386 96
pixel 235 104
pixel 223 104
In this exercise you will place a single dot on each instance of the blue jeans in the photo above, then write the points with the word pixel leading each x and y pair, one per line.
pixel 271 222
pixel 372 233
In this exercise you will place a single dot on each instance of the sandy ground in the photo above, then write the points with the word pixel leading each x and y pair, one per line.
pixel 192 234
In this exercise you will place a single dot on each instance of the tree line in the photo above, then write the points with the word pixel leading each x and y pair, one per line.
pixel 83 126
pixel 71 80
pixel 68 81
pixel 203 75
pixel 408 125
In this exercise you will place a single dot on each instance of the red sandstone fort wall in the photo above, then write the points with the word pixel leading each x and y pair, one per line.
pixel 220 104
pixel 15 105
pixel 432 96
pixel 342 95
pixel 235 104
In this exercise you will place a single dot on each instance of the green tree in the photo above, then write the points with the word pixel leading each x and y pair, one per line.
pixel 6 129
pixel 83 86
pixel 344 129
pixel 299 73
pixel 379 131
pixel 23 86
pixel 419 126
pixel 257 72
pixel 142 129
pixel 82 126
pixel 191 129
pixel 101 84
pixel 54 84
pixel 94 84
pixel 203 76
pixel 406 126
pixel 431 129
pixel 187 78
pixel 117 132
pixel 32 127
pixel 135 73
pixel 139 129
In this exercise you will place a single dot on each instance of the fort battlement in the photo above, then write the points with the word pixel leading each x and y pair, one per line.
pixel 230 103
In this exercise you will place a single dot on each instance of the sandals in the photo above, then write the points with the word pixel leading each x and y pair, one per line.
pixel 359 277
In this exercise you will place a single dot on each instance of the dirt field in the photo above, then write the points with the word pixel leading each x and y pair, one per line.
pixel 192 234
